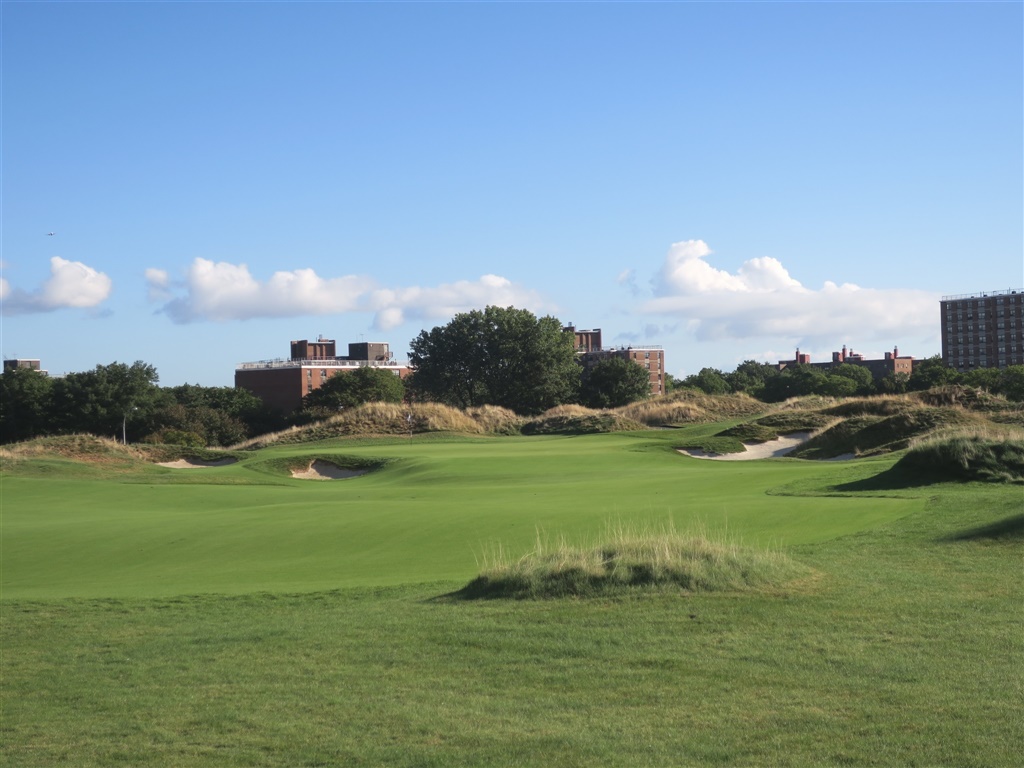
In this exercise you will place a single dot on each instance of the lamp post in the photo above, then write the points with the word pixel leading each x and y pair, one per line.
pixel 124 426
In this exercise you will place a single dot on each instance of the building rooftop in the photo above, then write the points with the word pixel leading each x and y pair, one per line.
pixel 982 294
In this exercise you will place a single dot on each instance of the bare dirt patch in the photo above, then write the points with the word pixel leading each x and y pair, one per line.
pixel 324 470
pixel 196 463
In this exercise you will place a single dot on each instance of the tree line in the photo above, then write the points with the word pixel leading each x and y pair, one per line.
pixel 767 383
pixel 496 356
pixel 124 402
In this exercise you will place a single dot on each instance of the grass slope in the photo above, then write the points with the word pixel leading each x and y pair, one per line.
pixel 436 505
pixel 906 651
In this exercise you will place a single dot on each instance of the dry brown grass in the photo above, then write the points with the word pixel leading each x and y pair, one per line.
pixel 396 419
pixel 577 419
pixel 688 406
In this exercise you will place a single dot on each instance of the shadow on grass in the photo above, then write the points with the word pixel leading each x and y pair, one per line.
pixel 1007 529
pixel 894 478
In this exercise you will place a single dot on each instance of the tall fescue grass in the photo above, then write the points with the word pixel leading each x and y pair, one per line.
pixel 687 406
pixel 396 419
pixel 987 454
pixel 628 559
pixel 578 419
pixel 867 434
pixel 97 450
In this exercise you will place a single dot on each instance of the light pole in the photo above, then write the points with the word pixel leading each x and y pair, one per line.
pixel 124 426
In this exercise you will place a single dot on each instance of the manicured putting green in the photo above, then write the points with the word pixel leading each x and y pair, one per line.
pixel 429 515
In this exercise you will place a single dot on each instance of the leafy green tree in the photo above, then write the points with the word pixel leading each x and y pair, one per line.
pixel 116 400
pixel 25 404
pixel 1011 383
pixel 363 385
pixel 931 372
pixel 750 376
pixel 671 383
pixel 497 356
pixel 710 380
pixel 233 406
pixel 864 382
pixel 894 384
pixel 983 378
pixel 614 382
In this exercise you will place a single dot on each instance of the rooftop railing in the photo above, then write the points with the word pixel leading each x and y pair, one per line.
pixel 319 363
pixel 982 295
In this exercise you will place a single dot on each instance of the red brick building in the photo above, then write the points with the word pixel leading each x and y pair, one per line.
pixel 282 383
pixel 651 357
pixel 892 363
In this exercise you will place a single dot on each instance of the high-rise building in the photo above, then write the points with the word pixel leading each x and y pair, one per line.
pixel 983 330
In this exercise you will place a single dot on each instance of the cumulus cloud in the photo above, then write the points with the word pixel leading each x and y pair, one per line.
pixel 393 307
pixel 71 284
pixel 761 299
pixel 222 291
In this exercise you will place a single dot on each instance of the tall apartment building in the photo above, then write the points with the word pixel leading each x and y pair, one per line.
pixel 650 357
pixel 282 383
pixel 983 330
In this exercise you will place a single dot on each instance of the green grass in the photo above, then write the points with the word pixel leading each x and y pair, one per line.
pixel 436 506
pixel 326 633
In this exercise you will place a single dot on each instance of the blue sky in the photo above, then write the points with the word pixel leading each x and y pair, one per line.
pixel 727 180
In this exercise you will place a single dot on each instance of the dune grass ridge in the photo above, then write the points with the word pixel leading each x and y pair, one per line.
pixel 988 454
pixel 628 559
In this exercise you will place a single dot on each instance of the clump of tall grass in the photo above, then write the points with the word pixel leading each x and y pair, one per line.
pixel 494 419
pixel 876 405
pixel 687 406
pixel 90 448
pixel 985 455
pixel 396 419
pixel 578 419
pixel 627 560
pixel 866 435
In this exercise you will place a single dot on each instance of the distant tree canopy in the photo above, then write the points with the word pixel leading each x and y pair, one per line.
pixel 614 382
pixel 124 401
pixel 498 356
pixel 362 385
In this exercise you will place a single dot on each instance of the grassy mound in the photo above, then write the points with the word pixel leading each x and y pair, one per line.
pixel 867 435
pixel 689 406
pixel 578 420
pixel 750 432
pixel 872 406
pixel 102 452
pixel 396 419
pixel 628 561
pixel 970 457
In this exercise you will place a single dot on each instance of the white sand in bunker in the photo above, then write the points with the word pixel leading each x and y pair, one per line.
pixel 196 463
pixel 323 470
pixel 772 449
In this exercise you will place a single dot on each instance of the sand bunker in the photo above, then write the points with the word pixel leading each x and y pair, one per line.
pixel 196 463
pixel 770 450
pixel 323 470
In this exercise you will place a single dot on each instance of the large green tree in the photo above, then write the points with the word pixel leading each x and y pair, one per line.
pixel 25 404
pixel 499 356
pixel 116 400
pixel 351 388
pixel 613 382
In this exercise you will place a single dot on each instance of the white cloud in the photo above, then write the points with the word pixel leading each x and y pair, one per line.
pixel 71 284
pixel 159 284
pixel 394 307
pixel 761 299
pixel 222 291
